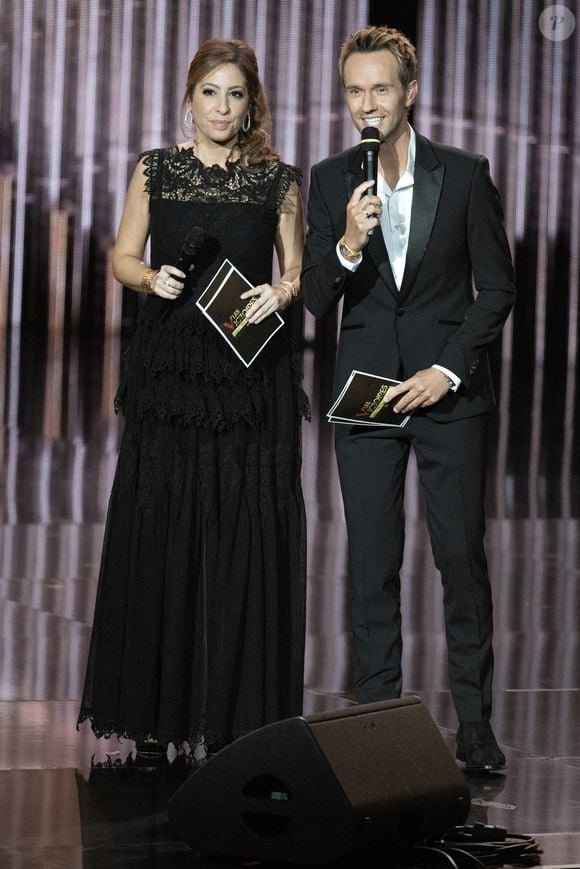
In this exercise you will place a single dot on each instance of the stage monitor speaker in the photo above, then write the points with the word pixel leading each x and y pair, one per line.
pixel 316 789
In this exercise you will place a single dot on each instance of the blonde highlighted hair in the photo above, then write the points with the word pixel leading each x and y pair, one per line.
pixel 374 38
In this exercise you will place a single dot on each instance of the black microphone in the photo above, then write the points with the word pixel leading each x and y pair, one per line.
pixel 370 143
pixel 190 248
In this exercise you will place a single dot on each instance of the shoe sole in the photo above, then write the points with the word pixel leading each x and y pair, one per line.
pixel 474 767
pixel 482 767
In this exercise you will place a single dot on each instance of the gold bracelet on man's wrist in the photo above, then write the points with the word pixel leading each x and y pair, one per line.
pixel 147 281
pixel 346 250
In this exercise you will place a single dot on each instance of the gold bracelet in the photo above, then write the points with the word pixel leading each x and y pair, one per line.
pixel 147 280
pixel 346 250
pixel 287 292
pixel 289 288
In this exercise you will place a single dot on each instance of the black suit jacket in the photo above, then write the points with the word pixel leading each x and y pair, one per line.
pixel 457 241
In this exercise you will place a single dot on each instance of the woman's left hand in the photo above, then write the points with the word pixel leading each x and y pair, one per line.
pixel 268 299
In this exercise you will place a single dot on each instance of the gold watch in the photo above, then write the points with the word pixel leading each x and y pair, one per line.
pixel 347 251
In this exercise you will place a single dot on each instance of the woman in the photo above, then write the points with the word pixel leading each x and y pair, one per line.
pixel 198 634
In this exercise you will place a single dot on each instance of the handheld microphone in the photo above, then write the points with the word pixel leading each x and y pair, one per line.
pixel 370 144
pixel 190 248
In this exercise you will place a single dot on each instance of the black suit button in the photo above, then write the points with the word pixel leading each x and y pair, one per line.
pixel 336 281
pixel 400 312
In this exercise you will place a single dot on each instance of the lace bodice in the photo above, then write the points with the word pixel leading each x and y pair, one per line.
pixel 237 207
pixel 177 174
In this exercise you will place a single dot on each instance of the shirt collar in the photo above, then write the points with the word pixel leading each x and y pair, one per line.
pixel 407 179
pixel 410 170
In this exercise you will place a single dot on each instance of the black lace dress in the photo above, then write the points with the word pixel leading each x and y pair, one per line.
pixel 199 622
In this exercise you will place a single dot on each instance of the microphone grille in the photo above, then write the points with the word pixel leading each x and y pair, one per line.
pixel 195 236
pixel 370 138
pixel 193 241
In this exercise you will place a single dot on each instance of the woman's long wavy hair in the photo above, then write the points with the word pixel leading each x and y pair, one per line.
pixel 255 143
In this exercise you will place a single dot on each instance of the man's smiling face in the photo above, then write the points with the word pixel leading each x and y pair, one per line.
pixel 375 94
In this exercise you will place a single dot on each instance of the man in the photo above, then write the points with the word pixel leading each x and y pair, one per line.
pixel 410 313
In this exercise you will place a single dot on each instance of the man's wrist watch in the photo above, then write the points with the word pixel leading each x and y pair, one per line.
pixel 450 382
pixel 347 251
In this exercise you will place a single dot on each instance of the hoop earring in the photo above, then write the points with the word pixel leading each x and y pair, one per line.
pixel 188 120
pixel 247 123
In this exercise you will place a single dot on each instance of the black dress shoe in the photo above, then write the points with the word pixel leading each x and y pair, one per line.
pixel 477 748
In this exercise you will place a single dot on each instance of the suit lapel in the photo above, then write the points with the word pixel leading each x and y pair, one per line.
pixel 380 257
pixel 427 185
pixel 352 174
pixel 376 246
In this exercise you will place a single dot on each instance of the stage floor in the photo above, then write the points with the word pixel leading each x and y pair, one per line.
pixel 68 800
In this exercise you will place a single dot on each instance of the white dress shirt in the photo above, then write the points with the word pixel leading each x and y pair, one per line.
pixel 395 225
pixel 396 213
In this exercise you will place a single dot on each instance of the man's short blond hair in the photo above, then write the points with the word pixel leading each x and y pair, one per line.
pixel 373 38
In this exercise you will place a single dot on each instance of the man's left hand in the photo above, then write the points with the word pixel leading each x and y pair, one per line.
pixel 423 389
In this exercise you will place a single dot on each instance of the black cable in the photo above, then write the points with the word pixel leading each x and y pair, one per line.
pixel 464 857
pixel 482 845
pixel 430 849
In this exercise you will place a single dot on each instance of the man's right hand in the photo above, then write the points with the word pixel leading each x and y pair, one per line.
pixel 362 213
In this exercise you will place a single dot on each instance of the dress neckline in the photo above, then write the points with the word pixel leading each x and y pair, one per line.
pixel 214 167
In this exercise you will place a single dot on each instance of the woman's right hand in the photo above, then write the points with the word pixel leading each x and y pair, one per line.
pixel 168 282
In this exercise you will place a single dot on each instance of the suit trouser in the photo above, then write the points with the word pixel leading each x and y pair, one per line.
pixel 451 461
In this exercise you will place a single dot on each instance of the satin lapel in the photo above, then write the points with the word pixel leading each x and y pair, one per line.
pixel 351 179
pixel 428 183
pixel 376 247
pixel 378 253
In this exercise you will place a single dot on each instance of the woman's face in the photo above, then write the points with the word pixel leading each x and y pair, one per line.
pixel 219 105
